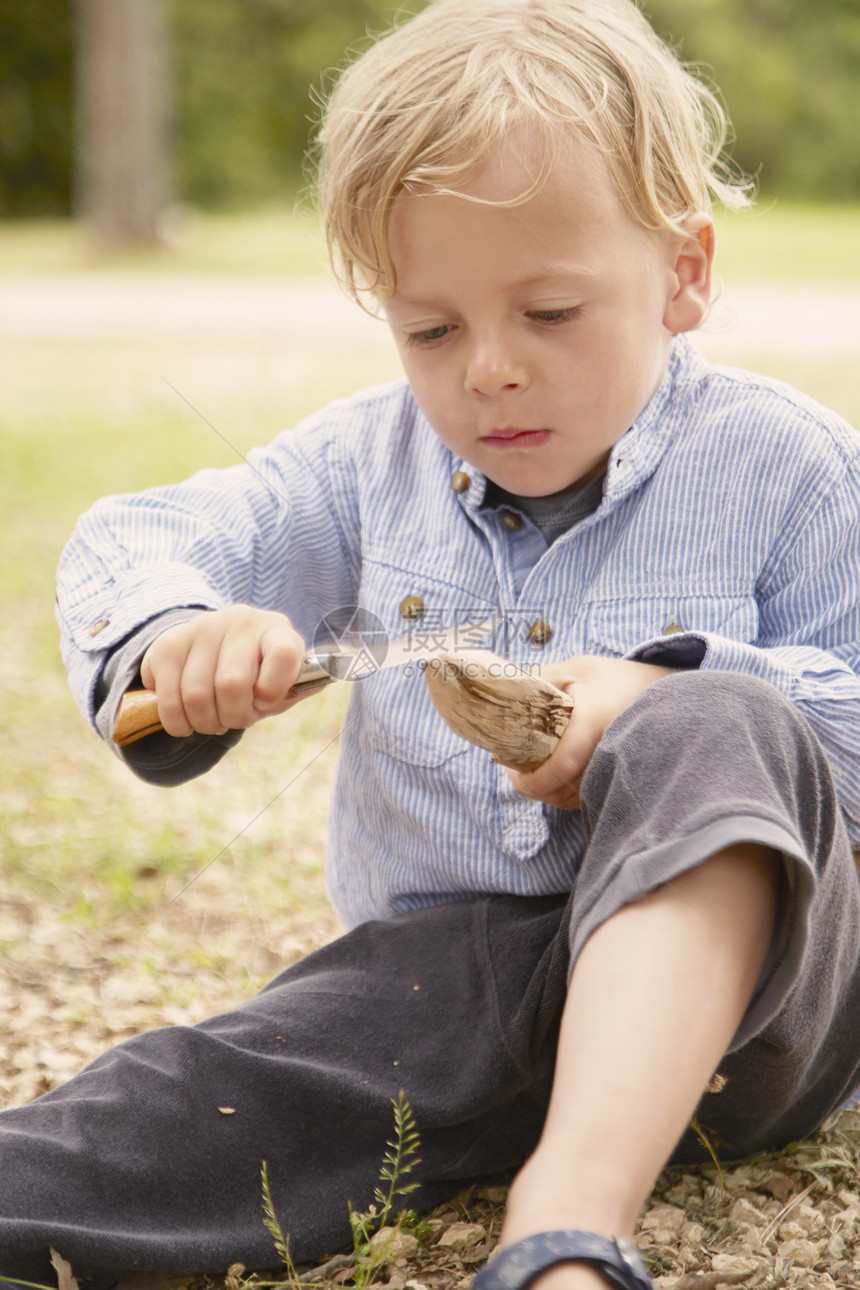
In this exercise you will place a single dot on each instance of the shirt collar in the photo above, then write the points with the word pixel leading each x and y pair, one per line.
pixel 637 454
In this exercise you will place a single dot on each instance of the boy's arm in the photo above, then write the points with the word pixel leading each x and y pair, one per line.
pixel 808 640
pixel 271 534
pixel 807 646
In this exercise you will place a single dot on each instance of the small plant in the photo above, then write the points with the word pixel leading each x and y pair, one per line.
pixel 282 1243
pixel 705 1141
pixel 399 1160
pixel 16 1281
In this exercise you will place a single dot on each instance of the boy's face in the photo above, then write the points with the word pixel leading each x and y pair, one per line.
pixel 533 335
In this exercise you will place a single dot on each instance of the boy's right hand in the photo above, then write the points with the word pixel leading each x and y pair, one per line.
pixel 223 670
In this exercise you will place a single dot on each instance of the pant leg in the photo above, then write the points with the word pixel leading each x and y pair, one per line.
pixel 132 1165
pixel 698 762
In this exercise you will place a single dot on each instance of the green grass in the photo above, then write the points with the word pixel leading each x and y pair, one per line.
pixel 781 242
pixel 282 239
pixel 777 241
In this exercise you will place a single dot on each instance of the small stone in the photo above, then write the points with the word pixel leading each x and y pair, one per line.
pixel 803 1254
pixel 743 1265
pixel 693 1233
pixel 743 1211
pixel 682 1191
pixel 664 1217
pixel 849 1121
pixel 811 1221
pixel 459 1236
pixel 791 1231
pixel 740 1179
pixel 394 1243
pixel 836 1247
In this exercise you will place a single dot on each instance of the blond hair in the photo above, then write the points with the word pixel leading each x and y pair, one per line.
pixel 435 98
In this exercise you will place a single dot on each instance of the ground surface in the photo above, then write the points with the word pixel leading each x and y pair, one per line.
pixel 123 907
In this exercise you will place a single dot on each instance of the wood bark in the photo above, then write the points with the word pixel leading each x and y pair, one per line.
pixel 121 118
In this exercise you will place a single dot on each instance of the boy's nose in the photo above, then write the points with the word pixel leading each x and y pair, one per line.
pixel 492 369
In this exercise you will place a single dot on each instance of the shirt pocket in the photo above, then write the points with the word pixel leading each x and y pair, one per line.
pixel 403 724
pixel 617 627
pixel 414 603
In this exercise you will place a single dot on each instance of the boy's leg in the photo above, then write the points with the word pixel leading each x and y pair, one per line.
pixel 133 1164
pixel 655 998
pixel 717 923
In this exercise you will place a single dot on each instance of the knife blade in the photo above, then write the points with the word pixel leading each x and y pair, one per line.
pixel 137 714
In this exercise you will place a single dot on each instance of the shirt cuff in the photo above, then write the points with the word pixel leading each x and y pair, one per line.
pixel 682 650
pixel 159 758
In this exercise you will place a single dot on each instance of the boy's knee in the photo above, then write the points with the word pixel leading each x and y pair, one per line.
pixel 707 728
pixel 717 710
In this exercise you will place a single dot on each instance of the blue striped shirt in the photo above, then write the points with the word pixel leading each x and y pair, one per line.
pixel 728 537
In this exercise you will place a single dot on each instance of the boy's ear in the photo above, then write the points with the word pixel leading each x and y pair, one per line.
pixel 693 255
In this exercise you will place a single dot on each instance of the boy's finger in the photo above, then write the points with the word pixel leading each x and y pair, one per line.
pixel 198 685
pixel 556 782
pixel 282 650
pixel 171 709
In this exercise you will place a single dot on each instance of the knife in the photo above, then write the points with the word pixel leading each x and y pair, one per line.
pixel 137 715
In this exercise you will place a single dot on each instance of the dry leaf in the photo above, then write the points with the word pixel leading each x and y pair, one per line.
pixel 63 1269
pixel 781 1186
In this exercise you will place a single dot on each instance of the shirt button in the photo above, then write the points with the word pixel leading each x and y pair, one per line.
pixel 673 626
pixel 512 521
pixel 99 625
pixel 461 481
pixel 411 607
pixel 539 632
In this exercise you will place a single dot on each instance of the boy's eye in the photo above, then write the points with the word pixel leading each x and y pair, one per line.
pixel 553 316
pixel 427 337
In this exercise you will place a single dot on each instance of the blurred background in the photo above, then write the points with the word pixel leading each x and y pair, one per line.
pixel 164 305
pixel 213 96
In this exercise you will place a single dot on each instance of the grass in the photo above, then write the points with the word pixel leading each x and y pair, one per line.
pixel 785 242
pixel 281 238
pixel 777 241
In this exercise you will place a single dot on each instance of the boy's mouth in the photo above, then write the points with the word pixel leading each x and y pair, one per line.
pixel 515 437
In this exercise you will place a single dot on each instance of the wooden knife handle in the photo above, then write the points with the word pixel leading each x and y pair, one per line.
pixel 137 715
pixel 136 718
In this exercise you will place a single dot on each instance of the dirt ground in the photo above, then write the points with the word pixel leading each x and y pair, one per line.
pixel 149 941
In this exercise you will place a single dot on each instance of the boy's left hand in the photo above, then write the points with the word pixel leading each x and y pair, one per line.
pixel 601 689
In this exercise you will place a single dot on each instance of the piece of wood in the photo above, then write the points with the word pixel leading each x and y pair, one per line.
pixel 494 703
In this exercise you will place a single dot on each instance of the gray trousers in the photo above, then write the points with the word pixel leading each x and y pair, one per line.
pixel 131 1165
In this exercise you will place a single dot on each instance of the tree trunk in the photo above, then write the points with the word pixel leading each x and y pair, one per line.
pixel 121 146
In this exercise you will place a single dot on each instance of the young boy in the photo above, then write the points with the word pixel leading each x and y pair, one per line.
pixel 552 965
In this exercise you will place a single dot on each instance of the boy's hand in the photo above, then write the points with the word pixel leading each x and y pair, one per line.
pixel 601 689
pixel 223 670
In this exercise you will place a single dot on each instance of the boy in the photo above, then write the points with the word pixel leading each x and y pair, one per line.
pixel 552 965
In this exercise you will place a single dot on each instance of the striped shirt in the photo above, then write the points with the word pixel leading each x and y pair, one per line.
pixel 727 537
